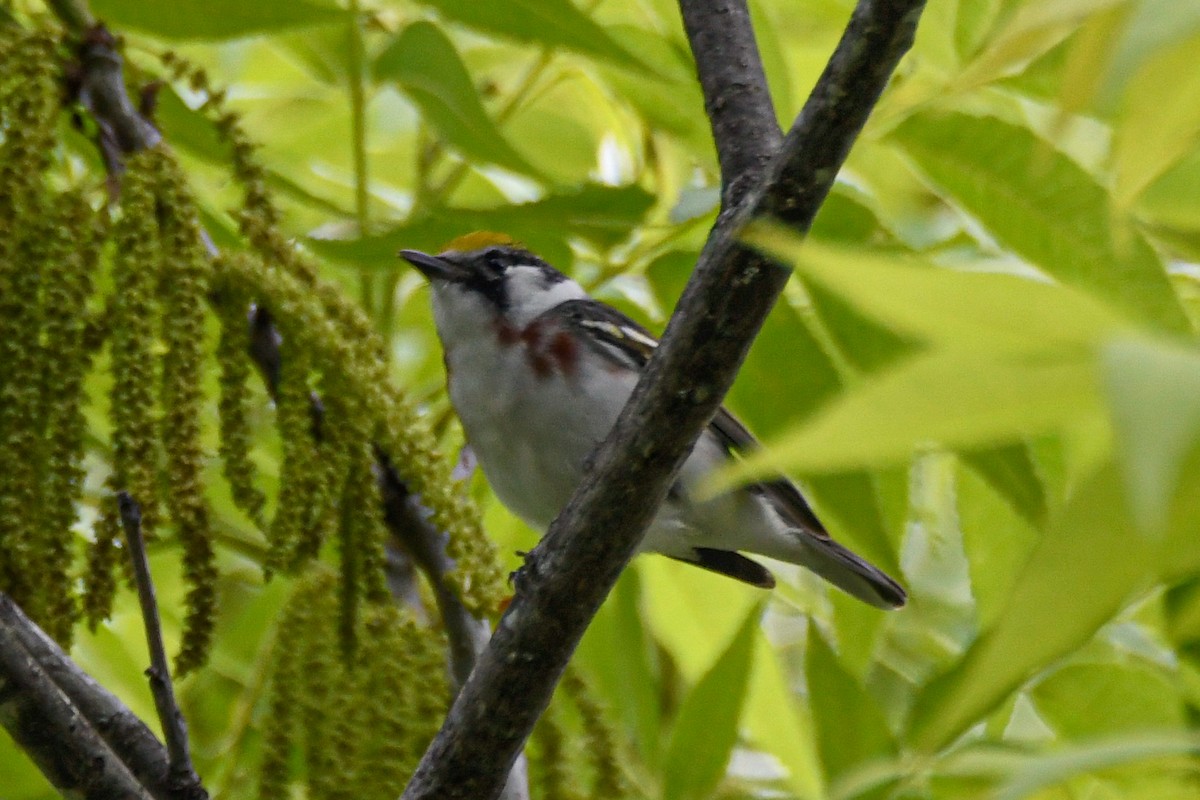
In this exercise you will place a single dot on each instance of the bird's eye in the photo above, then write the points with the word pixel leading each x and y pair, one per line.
pixel 495 264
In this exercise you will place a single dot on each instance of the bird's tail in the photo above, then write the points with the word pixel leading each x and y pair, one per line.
pixel 847 571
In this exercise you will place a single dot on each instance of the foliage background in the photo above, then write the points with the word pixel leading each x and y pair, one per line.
pixel 985 371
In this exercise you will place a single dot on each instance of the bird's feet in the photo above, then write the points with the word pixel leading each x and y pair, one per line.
pixel 521 578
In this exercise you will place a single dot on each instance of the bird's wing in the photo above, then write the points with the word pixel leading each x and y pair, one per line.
pixel 780 493
pixel 612 335
pixel 621 340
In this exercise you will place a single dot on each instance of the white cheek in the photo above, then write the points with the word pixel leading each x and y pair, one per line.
pixel 532 296
pixel 459 314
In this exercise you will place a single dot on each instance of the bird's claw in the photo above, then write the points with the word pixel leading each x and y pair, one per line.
pixel 520 577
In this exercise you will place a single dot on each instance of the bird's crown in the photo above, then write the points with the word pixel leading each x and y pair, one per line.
pixel 478 240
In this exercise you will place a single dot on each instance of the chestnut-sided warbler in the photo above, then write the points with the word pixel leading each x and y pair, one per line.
pixel 538 372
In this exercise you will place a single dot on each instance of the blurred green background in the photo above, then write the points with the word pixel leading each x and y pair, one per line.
pixel 984 373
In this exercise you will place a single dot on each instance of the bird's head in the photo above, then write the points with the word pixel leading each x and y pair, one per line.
pixel 481 278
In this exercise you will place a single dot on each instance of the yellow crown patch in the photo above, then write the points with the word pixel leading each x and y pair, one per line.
pixel 479 239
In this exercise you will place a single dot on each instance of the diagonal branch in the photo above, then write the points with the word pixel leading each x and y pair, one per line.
pixel 183 774
pixel 590 542
pixel 736 99
pixel 81 737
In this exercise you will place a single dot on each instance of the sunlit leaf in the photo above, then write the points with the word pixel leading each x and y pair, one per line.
pixel 972 22
pixel 1077 578
pixel 426 65
pixel 997 541
pixel 866 344
pixel 778 723
pixel 1056 767
pixel 619 651
pixel 850 506
pixel 845 218
pixel 952 398
pixel 1088 59
pixel 1099 699
pixel 851 728
pixel 1154 390
pixel 991 311
pixel 557 23
pixel 669 100
pixel 706 729
pixel 1160 122
pixel 1044 207
pixel 215 19
pixel 600 213
pixel 1027 34
pixel 1010 469
pixel 1173 200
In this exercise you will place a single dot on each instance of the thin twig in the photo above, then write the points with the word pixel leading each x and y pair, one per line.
pixel 725 303
pixel 159 672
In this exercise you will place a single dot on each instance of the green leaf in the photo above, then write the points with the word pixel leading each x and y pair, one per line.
pixel 1088 57
pixel 555 23
pixel 1160 122
pixel 991 311
pixel 1098 699
pixel 955 398
pixel 1011 471
pixel 620 654
pixel 189 129
pixel 766 395
pixel 601 214
pixel 1154 391
pixel 972 23
pixel 849 504
pixel 851 728
pixel 1033 30
pixel 1045 208
pixel 426 65
pixel 671 99
pixel 866 344
pixel 215 19
pixel 1079 576
pixel 774 722
pixel 1173 200
pixel 707 726
pixel 668 273
pixel 997 542
pixel 845 218
pixel 1053 768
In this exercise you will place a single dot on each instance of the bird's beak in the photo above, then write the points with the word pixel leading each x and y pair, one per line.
pixel 433 267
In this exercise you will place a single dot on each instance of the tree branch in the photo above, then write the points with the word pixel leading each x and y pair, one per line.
pixel 124 732
pixel 724 305
pixel 736 99
pixel 182 773
pixel 42 718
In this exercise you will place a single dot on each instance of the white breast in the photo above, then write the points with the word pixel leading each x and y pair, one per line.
pixel 531 427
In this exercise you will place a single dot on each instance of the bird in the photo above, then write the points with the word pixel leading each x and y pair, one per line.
pixel 538 371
